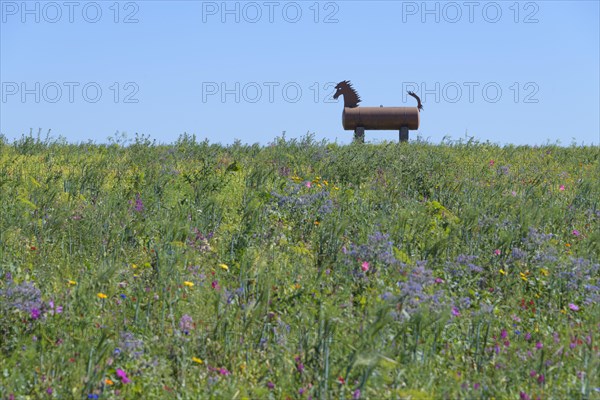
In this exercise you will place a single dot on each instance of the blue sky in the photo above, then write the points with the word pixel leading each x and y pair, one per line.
pixel 504 72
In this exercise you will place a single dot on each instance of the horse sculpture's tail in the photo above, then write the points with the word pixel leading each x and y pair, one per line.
pixel 419 105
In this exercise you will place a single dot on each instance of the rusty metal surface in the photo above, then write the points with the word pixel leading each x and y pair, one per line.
pixel 381 118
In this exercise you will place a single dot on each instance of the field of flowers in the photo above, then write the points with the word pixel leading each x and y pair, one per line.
pixel 299 270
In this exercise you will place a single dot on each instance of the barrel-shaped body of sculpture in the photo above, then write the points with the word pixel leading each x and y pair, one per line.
pixel 380 118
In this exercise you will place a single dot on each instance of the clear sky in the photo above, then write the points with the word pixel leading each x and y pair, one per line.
pixel 505 71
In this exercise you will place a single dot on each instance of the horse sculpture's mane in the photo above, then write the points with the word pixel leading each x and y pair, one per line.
pixel 351 98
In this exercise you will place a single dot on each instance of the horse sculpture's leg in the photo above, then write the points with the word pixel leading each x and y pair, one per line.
pixel 404 134
pixel 359 134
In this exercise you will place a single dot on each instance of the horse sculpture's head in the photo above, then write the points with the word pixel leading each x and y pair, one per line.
pixel 351 98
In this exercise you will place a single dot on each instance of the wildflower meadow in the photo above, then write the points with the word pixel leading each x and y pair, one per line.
pixel 298 270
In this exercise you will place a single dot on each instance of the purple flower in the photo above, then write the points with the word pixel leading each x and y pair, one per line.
pixel 576 232
pixel 539 345
pixel 35 313
pixel 455 312
pixel 573 307
pixel 139 205
pixel 503 334
pixel 524 396
pixel 356 394
pixel 186 324
pixel 270 385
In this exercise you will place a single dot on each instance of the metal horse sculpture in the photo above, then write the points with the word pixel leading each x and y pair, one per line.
pixel 376 118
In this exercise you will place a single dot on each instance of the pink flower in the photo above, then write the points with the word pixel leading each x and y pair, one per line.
pixel 561 188
pixel 573 307
pixel 576 232
pixel 455 312
pixel 365 266
pixel 308 184
pixel 439 280
pixel 497 252
pixel 123 375
pixel 492 162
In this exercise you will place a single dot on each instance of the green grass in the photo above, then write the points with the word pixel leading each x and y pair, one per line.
pixel 299 269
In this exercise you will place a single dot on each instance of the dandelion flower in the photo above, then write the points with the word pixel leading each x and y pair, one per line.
pixel 71 282
pixel 197 360
pixel 224 266
pixel 188 284
pixel 102 296
pixel 503 272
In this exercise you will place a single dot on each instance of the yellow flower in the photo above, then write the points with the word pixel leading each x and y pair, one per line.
pixel 197 360
pixel 108 382
pixel 523 276
pixel 72 283
pixel 224 266
pixel 102 296
pixel 188 284
pixel 134 266
pixel 503 272
pixel 544 271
